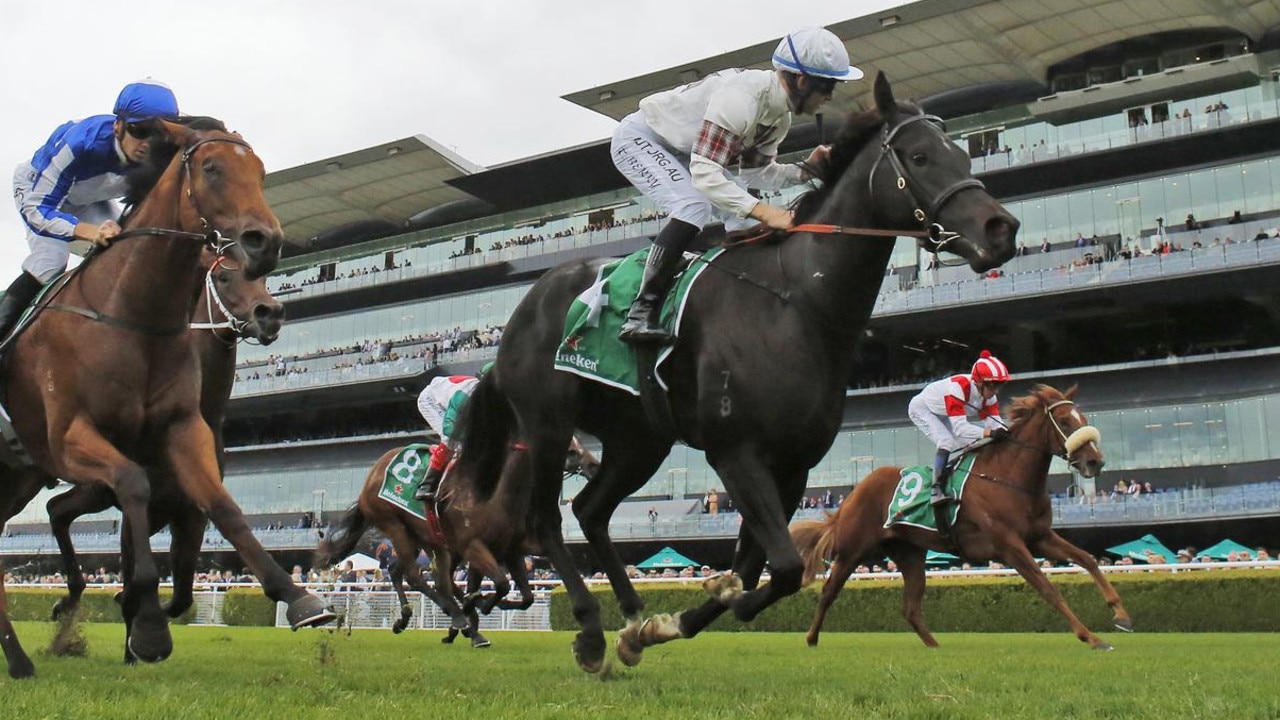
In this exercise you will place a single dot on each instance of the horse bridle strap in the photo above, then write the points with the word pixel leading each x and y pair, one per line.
pixel 126 324
pixel 230 321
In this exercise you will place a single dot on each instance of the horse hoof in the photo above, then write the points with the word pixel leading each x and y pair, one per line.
pixel 21 667
pixel 1123 624
pixel 480 641
pixel 630 650
pixel 308 611
pixel 447 639
pixel 397 629
pixel 725 587
pixel 1103 645
pixel 141 650
pixel 588 651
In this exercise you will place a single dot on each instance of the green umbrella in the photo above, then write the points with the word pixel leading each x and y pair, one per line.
pixel 666 558
pixel 1142 548
pixel 1223 549
pixel 933 557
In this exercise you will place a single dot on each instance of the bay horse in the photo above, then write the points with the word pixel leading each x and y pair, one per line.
pixel 1005 514
pixel 480 522
pixel 757 378
pixel 231 308
pixel 103 383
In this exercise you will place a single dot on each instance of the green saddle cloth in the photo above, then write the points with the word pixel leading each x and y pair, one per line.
pixel 910 502
pixel 591 347
pixel 404 474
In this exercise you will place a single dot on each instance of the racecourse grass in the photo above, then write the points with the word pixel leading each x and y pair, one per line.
pixel 250 673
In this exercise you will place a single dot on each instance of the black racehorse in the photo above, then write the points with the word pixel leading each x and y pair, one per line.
pixel 757 378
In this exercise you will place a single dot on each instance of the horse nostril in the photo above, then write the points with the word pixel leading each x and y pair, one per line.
pixel 253 240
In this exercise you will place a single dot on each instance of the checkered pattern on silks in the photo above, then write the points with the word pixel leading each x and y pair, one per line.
pixel 726 149
pixel 717 144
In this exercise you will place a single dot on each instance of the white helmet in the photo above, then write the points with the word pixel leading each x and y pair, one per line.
pixel 817 52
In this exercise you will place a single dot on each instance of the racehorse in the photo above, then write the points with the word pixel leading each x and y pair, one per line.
pixel 757 378
pixel 1005 514
pixel 481 523
pixel 103 383
pixel 230 308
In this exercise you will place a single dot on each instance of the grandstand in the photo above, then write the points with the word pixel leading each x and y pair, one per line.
pixel 1138 143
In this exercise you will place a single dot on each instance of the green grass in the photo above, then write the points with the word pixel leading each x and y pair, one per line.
pixel 250 673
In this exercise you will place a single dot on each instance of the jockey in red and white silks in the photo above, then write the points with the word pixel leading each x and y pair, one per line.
pixel 946 411
pixel 440 402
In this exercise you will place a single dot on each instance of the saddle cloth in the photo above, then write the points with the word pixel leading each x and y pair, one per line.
pixel 910 502
pixel 591 347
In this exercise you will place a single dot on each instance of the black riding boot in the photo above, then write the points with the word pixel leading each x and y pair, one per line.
pixel 642 324
pixel 426 492
pixel 938 494
pixel 16 299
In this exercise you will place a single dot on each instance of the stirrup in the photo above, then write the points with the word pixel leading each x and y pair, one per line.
pixel 644 332
pixel 938 495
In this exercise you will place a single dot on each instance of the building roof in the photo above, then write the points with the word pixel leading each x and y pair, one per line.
pixel 934 46
pixel 391 182
pixel 928 49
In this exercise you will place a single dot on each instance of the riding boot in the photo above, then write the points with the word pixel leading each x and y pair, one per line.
pixel 938 493
pixel 642 323
pixel 426 492
pixel 16 299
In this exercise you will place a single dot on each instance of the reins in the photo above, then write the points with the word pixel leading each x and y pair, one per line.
pixel 214 239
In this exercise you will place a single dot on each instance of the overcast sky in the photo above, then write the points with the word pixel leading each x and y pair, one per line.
pixel 307 80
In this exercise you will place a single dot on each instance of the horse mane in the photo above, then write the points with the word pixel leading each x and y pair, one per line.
pixel 859 129
pixel 142 178
pixel 1025 406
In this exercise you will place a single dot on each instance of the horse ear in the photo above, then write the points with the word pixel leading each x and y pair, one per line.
pixel 177 134
pixel 885 102
pixel 1070 394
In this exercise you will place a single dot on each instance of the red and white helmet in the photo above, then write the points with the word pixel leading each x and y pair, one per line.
pixel 989 368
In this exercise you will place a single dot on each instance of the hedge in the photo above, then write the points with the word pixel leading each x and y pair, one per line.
pixel 1209 601
pixel 96 605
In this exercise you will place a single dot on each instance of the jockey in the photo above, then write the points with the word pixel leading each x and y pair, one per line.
pixel 67 190
pixel 440 403
pixel 678 147
pixel 943 411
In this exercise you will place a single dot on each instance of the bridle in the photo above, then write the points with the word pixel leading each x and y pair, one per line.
pixel 214 299
pixel 213 239
pixel 936 237
pixel 1081 436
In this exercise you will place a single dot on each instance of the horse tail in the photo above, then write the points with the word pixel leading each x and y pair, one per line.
pixel 485 426
pixel 342 539
pixel 815 540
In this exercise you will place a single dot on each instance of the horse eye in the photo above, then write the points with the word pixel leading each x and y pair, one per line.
pixel 919 159
pixel 209 167
pixel 224 277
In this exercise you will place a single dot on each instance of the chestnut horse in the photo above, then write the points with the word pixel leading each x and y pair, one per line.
pixel 104 384
pixel 481 524
pixel 231 308
pixel 1005 514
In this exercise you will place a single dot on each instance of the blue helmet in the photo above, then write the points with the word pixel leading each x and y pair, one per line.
pixel 144 100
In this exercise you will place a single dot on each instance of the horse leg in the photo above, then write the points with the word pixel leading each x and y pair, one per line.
pixel 187 535
pixel 406 610
pixel 1055 546
pixel 190 454
pixel 1016 554
pixel 20 665
pixel 839 572
pixel 88 457
pixel 628 464
pixel 758 495
pixel 63 510
pixel 482 564
pixel 521 579
pixel 910 562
